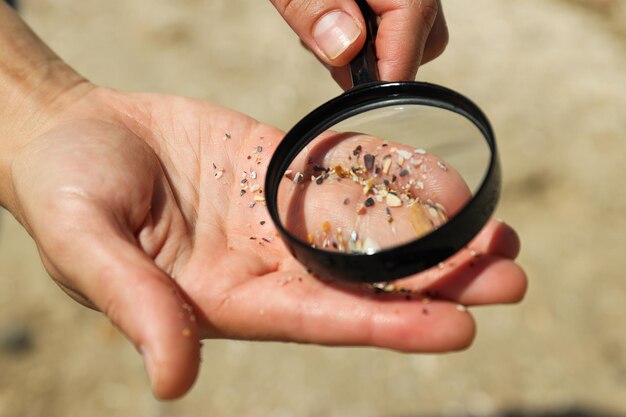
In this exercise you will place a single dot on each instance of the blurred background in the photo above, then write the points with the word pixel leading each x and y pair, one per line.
pixel 551 75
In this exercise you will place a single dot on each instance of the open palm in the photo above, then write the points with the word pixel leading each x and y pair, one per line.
pixel 135 203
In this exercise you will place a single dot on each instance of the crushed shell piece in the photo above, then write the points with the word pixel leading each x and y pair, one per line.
pixel 386 165
pixel 393 200
pixel 403 154
pixel 419 221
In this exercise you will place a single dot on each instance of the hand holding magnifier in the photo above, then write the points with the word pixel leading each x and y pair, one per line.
pixel 386 180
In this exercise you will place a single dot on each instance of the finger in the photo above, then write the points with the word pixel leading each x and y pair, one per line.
pixel 332 29
pixel 133 292
pixel 484 273
pixel 437 38
pixel 497 238
pixel 488 280
pixel 408 32
pixel 307 310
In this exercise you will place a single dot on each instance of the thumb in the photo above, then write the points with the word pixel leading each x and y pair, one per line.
pixel 138 297
pixel 333 29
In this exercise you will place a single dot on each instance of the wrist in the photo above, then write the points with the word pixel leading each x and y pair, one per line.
pixel 35 84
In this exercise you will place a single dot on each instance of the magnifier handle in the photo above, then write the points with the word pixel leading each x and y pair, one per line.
pixel 364 66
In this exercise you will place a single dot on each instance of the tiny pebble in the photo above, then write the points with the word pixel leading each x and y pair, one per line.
pixel 369 161
pixel 16 339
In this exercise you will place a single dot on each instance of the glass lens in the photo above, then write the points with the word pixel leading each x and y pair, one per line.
pixel 382 178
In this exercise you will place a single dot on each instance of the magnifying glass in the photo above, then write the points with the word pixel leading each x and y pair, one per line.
pixel 386 180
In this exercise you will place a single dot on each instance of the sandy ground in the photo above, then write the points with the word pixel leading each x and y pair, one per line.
pixel 552 77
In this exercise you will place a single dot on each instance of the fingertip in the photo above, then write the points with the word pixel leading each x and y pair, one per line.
pixel 338 36
pixel 492 280
pixel 156 318
pixel 438 38
pixel 498 238
pixel 437 327
pixel 171 355
pixel 518 284
pixel 172 373
pixel 501 281
pixel 458 330
pixel 505 240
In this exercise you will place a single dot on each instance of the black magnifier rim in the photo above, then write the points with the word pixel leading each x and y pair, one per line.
pixel 405 259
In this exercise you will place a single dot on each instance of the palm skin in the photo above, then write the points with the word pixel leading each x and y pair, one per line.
pixel 120 193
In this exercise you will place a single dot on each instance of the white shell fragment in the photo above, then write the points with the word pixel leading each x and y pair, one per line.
pixel 393 200
pixel 370 246
pixel 386 165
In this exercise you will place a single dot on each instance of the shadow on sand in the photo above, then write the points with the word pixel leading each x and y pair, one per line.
pixel 573 411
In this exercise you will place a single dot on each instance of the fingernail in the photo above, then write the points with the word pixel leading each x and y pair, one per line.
pixel 335 32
